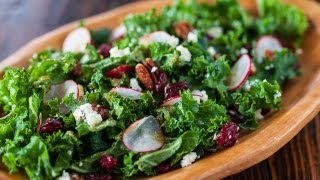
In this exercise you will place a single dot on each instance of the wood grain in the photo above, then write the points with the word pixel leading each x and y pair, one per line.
pixel 299 159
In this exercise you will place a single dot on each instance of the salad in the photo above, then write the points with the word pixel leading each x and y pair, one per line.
pixel 157 93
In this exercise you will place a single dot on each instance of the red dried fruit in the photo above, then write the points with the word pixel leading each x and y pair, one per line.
pixel 50 125
pixel 108 162
pixel 97 177
pixel 118 71
pixel 104 50
pixel 103 111
pixel 2 114
pixel 163 168
pixel 228 135
pixel 173 89
pixel 162 81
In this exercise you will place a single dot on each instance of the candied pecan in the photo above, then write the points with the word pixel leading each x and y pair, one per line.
pixel 103 111
pixel 182 29
pixel 77 70
pixel 144 76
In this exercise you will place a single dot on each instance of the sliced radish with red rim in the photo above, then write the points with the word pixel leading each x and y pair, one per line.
pixel 118 32
pixel 267 44
pixel 77 40
pixel 127 92
pixel 239 72
pixel 144 135
pixel 176 99
pixel 64 89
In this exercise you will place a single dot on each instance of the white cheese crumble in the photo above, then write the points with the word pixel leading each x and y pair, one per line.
pixel 212 51
pixel 299 51
pixel 215 32
pixel 202 95
pixel 192 37
pixel 277 95
pixel 188 159
pixel 247 86
pixel 86 113
pixel 243 51
pixel 185 54
pixel 134 84
pixel 116 52
pixel 80 164
pixel 161 37
pixel 65 176
pixel 258 114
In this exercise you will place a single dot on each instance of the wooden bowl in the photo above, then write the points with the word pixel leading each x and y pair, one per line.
pixel 301 100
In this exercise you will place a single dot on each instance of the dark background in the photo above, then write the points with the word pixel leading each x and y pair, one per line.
pixel 22 20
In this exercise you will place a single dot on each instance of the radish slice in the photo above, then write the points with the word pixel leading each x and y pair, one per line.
pixel 61 90
pixel 267 43
pixel 77 40
pixel 159 36
pixel 174 100
pixel 143 135
pixel 118 32
pixel 240 72
pixel 127 92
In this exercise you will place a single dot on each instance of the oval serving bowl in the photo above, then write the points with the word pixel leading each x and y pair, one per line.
pixel 301 100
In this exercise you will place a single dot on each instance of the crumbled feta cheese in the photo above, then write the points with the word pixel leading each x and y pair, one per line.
pixel 65 176
pixel 277 95
pixel 69 152
pixel 243 51
pixel 192 37
pixel 215 32
pixel 203 95
pixel 116 52
pixel 268 67
pixel 86 113
pixel 80 163
pixel 188 159
pixel 258 114
pixel 154 69
pixel 159 36
pixel 212 51
pixel 185 54
pixel 299 51
pixel 247 86
pixel 134 84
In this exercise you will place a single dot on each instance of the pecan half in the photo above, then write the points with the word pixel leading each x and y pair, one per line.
pixel 182 29
pixel 144 76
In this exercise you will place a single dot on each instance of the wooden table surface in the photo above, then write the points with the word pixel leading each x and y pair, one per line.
pixel 21 21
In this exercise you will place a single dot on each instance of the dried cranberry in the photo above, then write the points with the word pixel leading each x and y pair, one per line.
pixel 162 80
pixel 173 89
pixel 2 114
pixel 97 177
pixel 103 111
pixel 104 50
pixel 108 162
pixel 228 135
pixel 50 125
pixel 77 70
pixel 163 168
pixel 118 71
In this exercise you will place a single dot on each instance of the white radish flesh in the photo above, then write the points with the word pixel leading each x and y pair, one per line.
pixel 77 40
pixel 240 72
pixel 117 33
pixel 267 43
pixel 144 135
pixel 176 99
pixel 127 92
pixel 61 90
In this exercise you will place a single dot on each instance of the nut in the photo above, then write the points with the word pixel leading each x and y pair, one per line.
pixel 182 29
pixel 144 76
